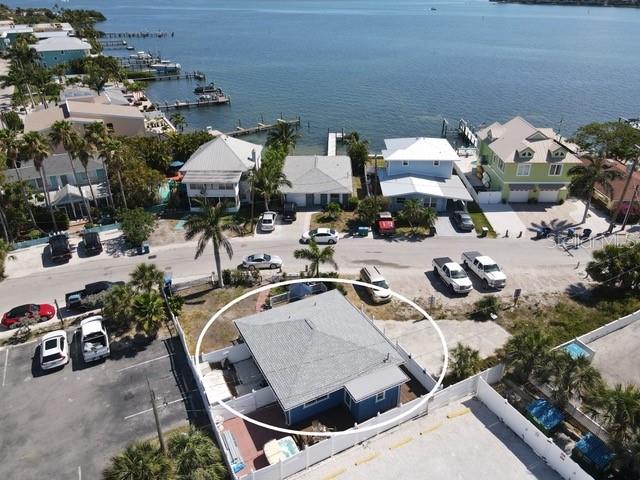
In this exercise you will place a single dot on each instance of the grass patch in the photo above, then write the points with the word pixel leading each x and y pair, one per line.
pixel 200 305
pixel 479 219
pixel 345 223
pixel 393 310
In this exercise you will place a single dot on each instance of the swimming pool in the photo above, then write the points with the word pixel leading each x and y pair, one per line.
pixel 577 349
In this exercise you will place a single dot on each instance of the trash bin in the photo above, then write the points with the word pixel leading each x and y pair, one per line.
pixel 363 231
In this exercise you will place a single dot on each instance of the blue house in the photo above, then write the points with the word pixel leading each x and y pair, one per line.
pixel 56 50
pixel 420 168
pixel 322 352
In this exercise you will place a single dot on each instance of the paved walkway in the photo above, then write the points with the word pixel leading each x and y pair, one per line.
pixel 502 218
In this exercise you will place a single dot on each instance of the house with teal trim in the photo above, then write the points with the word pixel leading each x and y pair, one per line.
pixel 321 353
pixel 525 163
pixel 57 50
pixel 420 168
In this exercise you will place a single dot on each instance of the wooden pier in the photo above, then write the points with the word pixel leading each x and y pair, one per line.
pixel 262 127
pixel 178 104
pixel 332 139
pixel 178 76
pixel 466 133
pixel 136 34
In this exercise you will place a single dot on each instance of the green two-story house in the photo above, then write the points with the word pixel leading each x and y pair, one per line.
pixel 525 163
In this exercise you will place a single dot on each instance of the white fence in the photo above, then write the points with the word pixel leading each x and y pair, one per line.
pixel 466 182
pixel 245 404
pixel 610 327
pixel 417 370
pixel 233 354
pixel 466 387
pixel 521 426
pixel 489 198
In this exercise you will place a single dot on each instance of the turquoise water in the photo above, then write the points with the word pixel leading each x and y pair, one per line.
pixel 392 67
pixel 575 350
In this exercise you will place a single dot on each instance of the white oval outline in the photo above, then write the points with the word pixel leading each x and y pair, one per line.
pixel 353 430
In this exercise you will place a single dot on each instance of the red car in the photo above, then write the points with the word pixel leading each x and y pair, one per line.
pixel 44 311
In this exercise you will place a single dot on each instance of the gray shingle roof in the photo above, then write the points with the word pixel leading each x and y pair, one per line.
pixel 223 154
pixel 314 346
pixel 318 174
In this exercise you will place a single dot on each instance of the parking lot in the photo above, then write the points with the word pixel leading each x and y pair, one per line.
pixel 68 423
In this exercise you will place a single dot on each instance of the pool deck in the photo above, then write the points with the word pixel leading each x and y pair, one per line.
pixel 618 355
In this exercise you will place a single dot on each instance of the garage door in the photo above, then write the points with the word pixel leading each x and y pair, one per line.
pixel 518 196
pixel 297 198
pixel 548 196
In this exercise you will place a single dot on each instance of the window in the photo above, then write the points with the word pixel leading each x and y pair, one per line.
pixel 526 154
pixel 400 200
pixel 380 396
pixel 555 170
pixel 315 401
pixel 436 163
pixel 405 163
pixel 523 170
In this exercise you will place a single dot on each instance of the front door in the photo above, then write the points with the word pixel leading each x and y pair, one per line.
pixel 323 199
pixel 309 200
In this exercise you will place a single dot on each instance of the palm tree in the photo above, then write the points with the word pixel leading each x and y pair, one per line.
pixel 618 409
pixel 113 156
pixel 118 306
pixel 569 377
pixel 413 213
pixel 179 121
pixel 284 135
pixel 63 133
pixel 81 152
pixel 195 455
pixel 96 135
pixel 527 351
pixel 465 362
pixel 316 256
pixel 585 178
pixel 140 461
pixel 146 276
pixel 268 180
pixel 37 148
pixel 11 145
pixel 208 224
pixel 5 248
pixel 148 312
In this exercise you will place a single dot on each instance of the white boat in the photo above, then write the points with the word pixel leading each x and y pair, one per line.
pixel 166 66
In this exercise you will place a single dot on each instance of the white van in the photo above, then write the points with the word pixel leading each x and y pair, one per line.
pixel 373 275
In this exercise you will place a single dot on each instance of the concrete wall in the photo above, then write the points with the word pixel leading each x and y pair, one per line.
pixel 609 328
pixel 540 444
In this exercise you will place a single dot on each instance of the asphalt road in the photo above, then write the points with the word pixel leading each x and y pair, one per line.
pixel 67 424
pixel 534 266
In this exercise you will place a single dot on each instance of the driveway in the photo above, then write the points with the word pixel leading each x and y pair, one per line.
pixel 68 423
pixel 444 228
pixel 287 231
pixel 503 218
pixel 560 217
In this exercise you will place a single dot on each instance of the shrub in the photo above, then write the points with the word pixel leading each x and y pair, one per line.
pixel 137 225
pixel 485 307
pixel 333 210
pixel 353 203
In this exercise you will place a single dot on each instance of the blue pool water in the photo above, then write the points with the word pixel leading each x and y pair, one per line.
pixel 575 350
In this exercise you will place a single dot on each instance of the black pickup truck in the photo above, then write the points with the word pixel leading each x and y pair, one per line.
pixel 59 247
pixel 76 300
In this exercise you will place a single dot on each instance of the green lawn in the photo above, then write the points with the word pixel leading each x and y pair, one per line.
pixel 479 219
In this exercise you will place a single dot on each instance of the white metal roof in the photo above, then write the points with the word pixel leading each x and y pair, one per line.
pixel 318 174
pixel 419 148
pixel 224 154
pixel 61 43
pixel 434 187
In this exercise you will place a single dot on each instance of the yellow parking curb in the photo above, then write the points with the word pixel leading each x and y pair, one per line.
pixel 335 474
pixel 431 428
pixel 366 459
pixel 401 443
pixel 458 413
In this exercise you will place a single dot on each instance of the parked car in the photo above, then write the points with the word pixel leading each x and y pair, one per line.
pixel 54 350
pixel 268 221
pixel 289 212
pixel 75 299
pixel 452 274
pixel 463 221
pixel 320 235
pixel 261 260
pixel 385 225
pixel 374 276
pixel 42 312
pixel 59 247
pixel 94 340
pixel 485 268
pixel 91 243
pixel 458 206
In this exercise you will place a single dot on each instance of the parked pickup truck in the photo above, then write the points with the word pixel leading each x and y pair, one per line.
pixel 59 247
pixel 485 268
pixel 385 224
pixel 452 274
pixel 76 300
pixel 94 340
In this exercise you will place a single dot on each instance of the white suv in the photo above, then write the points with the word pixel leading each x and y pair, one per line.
pixel 54 350
pixel 268 221
pixel 374 276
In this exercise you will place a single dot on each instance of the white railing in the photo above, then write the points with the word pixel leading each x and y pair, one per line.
pixel 417 370
pixel 466 182
pixel 610 327
pixel 246 404
pixel 521 426
pixel 233 354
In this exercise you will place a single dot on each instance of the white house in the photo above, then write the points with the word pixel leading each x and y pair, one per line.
pixel 317 180
pixel 218 171
pixel 420 168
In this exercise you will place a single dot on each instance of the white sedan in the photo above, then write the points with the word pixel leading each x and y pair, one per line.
pixel 261 260
pixel 54 350
pixel 268 221
pixel 320 235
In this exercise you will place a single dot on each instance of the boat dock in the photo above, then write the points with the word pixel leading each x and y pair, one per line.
pixel 178 76
pixel 262 127
pixel 466 133
pixel 136 34
pixel 179 104
pixel 332 139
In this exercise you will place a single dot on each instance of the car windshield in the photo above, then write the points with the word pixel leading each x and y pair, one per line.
pixel 381 284
pixel 51 343
pixel 267 220
pixel 458 274
pixel 465 218
pixel 332 231
pixel 491 268
pixel 267 257
pixel 313 232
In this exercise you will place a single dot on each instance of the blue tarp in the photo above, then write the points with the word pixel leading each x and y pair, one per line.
pixel 545 414
pixel 594 450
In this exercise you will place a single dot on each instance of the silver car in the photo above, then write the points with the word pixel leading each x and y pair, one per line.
pixel 261 260
pixel 268 221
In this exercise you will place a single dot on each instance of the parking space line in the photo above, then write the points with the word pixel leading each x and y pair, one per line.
pixel 4 370
pixel 79 472
pixel 151 409
pixel 145 362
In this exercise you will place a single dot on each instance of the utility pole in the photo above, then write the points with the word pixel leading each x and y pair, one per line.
pixel 630 207
pixel 152 394
pixel 624 192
